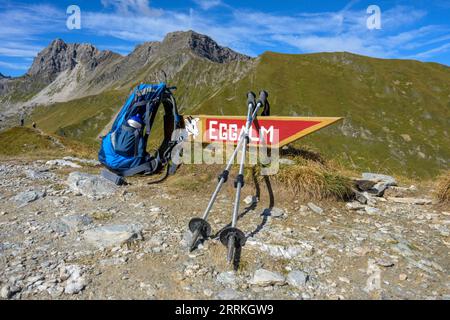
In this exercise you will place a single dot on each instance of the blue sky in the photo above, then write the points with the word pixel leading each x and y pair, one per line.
pixel 409 29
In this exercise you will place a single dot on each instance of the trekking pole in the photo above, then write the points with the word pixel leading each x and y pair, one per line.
pixel 200 226
pixel 232 237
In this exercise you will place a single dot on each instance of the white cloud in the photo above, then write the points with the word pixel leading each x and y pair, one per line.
pixel 208 4
pixel 135 21
pixel 131 7
pixel 14 66
pixel 432 52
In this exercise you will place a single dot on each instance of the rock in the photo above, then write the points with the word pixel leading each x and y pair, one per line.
pixel 8 291
pixel 415 201
pixel 372 210
pixel 278 251
pixel 36 175
pixel 406 137
pixel 364 185
pixel 76 222
pixel 113 235
pixel 361 197
pixel 154 209
pixel 227 278
pixel 354 206
pixel 74 280
pixel 208 292
pixel 384 263
pixel 26 197
pixel 249 200
pixel 62 163
pixel 276 212
pixel 90 185
pixel 91 162
pixel 303 209
pixel 390 181
pixel 315 208
pixel 379 188
pixel 186 239
pixel 228 294
pixel 263 277
pixel 402 277
pixel 297 278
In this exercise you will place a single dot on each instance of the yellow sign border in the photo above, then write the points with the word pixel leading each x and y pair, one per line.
pixel 323 122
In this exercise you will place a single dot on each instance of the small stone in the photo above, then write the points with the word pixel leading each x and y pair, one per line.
pixel 403 277
pixel 315 208
pixel 415 201
pixel 62 163
pixel 276 212
pixel 297 278
pixel 8 292
pixel 250 200
pixel 354 206
pixel 263 277
pixel 208 292
pixel 228 294
pixel 155 209
pixel 303 209
pixel 344 279
pixel 361 197
pixel 384 263
pixel 227 278
pixel 372 210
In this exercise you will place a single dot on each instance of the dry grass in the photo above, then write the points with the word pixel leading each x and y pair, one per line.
pixel 309 179
pixel 442 188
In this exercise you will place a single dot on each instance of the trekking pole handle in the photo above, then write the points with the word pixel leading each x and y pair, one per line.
pixel 251 96
pixel 263 98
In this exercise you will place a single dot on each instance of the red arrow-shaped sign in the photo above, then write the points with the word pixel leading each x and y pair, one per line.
pixel 274 132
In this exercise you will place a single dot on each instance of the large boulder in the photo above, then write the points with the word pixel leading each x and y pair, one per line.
pixel 26 197
pixel 263 277
pixel 380 178
pixel 375 183
pixel 72 223
pixel 113 235
pixel 90 185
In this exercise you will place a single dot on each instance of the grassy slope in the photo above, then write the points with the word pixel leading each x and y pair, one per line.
pixel 380 100
pixel 20 142
pixel 80 119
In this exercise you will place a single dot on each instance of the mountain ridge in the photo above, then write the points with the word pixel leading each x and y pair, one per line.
pixel 374 95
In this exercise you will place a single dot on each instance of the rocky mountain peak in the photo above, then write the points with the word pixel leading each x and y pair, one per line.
pixel 202 46
pixel 2 76
pixel 60 56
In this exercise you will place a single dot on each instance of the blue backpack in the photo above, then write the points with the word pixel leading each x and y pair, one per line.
pixel 123 150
